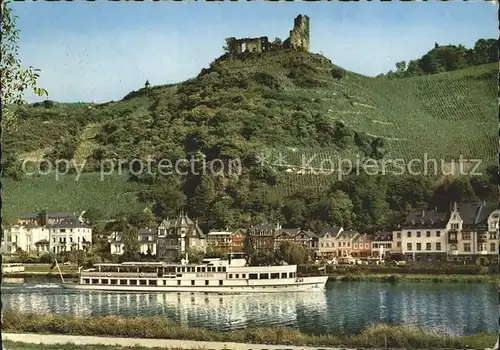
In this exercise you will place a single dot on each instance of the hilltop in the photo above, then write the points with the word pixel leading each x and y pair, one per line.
pixel 284 103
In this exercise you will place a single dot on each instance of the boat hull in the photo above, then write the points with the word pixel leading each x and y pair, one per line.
pixel 306 284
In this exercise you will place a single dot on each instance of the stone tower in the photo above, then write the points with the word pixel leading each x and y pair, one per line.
pixel 299 35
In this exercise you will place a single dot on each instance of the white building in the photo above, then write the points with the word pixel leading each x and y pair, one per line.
pixel 147 238
pixel 30 238
pixel 69 235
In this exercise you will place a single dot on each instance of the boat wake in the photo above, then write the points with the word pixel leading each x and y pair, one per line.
pixel 41 286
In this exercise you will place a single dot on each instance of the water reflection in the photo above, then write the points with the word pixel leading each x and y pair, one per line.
pixel 342 307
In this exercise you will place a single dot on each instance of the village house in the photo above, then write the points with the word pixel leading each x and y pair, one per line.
pixel 147 238
pixel 261 237
pixel 384 245
pixel 45 232
pixel 362 247
pixel 308 239
pixel 345 242
pixel 176 236
pixel 327 242
pixel 423 236
pixel 227 241
pixel 473 233
pixel 69 235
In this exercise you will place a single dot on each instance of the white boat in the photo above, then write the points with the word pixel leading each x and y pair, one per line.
pixel 211 276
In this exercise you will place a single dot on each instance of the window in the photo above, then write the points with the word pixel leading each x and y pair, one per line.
pixel 438 233
pixel 275 276
pixel 428 233
pixel 220 282
pixel 419 246
pixel 375 245
pixel 367 246
pixel 96 281
pixel 237 275
pixel 408 246
pixel 104 281
pixel 192 283
pixel 206 283
pixel 203 269
pixel 283 275
pixel 454 226
pixel 219 269
pixel 264 276
pixel 492 247
pixel 466 247
pixel 418 233
pixel 398 235
pixel 408 234
pixel 230 275
pixel 398 244
pixel 355 245
pixel 438 245
pixel 252 276
pixel 428 246
pixel 243 275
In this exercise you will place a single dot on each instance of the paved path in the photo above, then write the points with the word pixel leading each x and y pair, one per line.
pixel 149 343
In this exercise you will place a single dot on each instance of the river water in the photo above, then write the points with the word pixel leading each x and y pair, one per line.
pixel 343 307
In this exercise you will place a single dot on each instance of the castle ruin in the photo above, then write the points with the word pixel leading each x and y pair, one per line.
pixel 298 40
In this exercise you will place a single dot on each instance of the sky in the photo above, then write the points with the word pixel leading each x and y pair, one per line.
pixel 100 51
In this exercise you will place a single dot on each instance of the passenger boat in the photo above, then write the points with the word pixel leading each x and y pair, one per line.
pixel 211 276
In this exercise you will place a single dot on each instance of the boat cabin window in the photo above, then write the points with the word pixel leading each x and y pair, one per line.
pixel 221 282
pixel 206 283
pixel 252 276
pixel 192 283
pixel 244 275
pixel 143 282
pixel 291 274
pixel 198 269
pixel 104 281
pixel 237 275
pixel 86 280
pixel 152 282
pixel 264 276
pixel 134 282
pixel 113 281
pixel 95 281
pixel 283 275
pixel 203 269
pixel 123 281
pixel 275 275
pixel 178 283
pixel 230 275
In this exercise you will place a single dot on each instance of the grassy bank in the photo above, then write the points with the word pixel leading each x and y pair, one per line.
pixel 416 278
pixel 377 336
pixel 23 346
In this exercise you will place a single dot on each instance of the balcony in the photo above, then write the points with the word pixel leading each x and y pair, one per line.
pixel 482 252
pixel 452 239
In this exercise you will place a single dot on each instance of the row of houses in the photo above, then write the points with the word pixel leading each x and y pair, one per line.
pixel 468 232
pixel 46 232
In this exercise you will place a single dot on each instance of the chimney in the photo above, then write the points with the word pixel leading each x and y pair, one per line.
pixel 454 206
pixel 423 212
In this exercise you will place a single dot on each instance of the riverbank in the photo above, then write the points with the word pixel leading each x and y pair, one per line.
pixel 490 278
pixel 376 336
pixel 133 343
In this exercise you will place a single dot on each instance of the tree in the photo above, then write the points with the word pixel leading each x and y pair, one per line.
pixel 131 245
pixel 16 80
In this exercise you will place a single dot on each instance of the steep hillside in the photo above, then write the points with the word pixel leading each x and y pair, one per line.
pixel 283 105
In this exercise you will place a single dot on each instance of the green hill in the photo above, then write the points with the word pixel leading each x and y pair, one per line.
pixel 284 105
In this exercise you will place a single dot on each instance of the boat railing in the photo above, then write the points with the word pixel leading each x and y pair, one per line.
pixel 120 274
